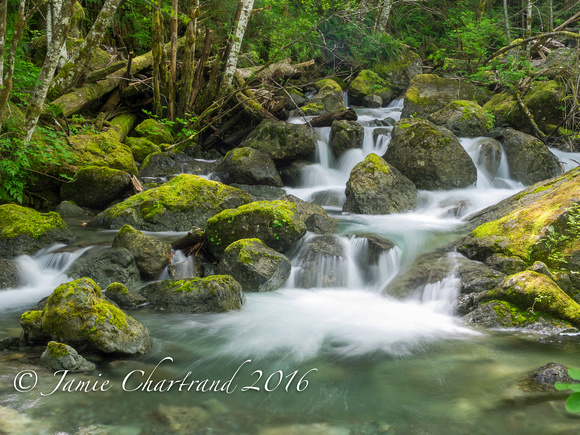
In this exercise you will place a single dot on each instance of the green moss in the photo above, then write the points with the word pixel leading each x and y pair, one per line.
pixel 239 153
pixel 154 131
pixel 369 83
pixel 244 247
pixel 512 316
pixel 16 220
pixel 312 109
pixel 57 350
pixel 116 287
pixel 371 164
pixel 194 284
pixel 31 317
pixel 141 148
pixel 326 86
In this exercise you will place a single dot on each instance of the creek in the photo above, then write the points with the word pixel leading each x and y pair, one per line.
pixel 325 360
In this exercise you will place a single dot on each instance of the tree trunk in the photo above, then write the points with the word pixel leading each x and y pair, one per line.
pixel 231 61
pixel 506 22
pixel 173 60
pixel 73 70
pixel 550 16
pixel 383 20
pixel 159 66
pixel 198 79
pixel 481 6
pixel 188 59
pixel 363 9
pixel 60 32
pixel 3 11
pixel 328 119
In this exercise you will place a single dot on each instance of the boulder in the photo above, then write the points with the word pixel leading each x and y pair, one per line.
pixel 95 187
pixel 183 202
pixel 376 246
pixel 259 268
pixel 124 298
pixel 141 147
pixel 292 174
pixel 489 156
pixel 70 209
pixel 26 231
pixel 375 187
pixel 429 93
pixel 366 85
pixel 505 264
pixel 112 265
pixel 248 166
pixel 171 163
pixel 155 132
pixel 543 378
pixel 399 72
pixel 76 314
pixel 329 99
pixel 214 294
pixel 33 332
pixel 59 356
pixel 282 141
pixel 322 263
pixel 430 156
pixel 464 118
pixel 152 255
pixel 314 217
pixel 528 158
pixel 261 192
pixel 294 99
pixel 346 135
pixel 9 276
pixel 276 223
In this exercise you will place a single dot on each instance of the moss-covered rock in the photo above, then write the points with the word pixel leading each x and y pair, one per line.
pixel 400 71
pixel 183 202
pixel 464 118
pixel 259 268
pixel 141 147
pixel 528 158
pixel 429 93
pixel 152 255
pixel 106 267
pixel 59 356
pixel 9 276
pixel 430 156
pixel 12 117
pixel 31 323
pixel 276 223
pixel 123 297
pixel 346 135
pixel 329 97
pixel 248 166
pixel 95 187
pixel 375 187
pixel 214 294
pixel 76 313
pixel 154 131
pixel 26 231
pixel 367 84
pixel 282 141
pixel 314 217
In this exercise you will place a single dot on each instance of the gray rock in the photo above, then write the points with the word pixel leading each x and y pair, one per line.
pixel 171 163
pixel 105 268
pixel 372 101
pixel 70 209
pixel 96 187
pixel 261 193
pixel 376 246
pixel 248 166
pixel 314 217
pixel 489 156
pixel 346 135
pixel 322 263
pixel 544 378
pixel 124 298
pixel 505 264
pixel 9 276
pixel 292 174
pixel 329 96
pixel 9 343
pixel 59 356
pixel 258 267
pixel 464 118
pixel 370 90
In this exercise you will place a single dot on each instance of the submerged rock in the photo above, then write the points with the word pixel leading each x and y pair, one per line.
pixel 248 166
pixel 214 294
pixel 96 187
pixel 543 378
pixel 59 356
pixel 375 187
pixel 26 231
pixel 254 265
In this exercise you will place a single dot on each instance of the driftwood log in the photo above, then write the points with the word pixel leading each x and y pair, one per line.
pixel 327 120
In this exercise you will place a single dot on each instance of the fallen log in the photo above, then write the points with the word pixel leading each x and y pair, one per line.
pixel 328 119
pixel 278 70
pixel 191 240
pixel 253 108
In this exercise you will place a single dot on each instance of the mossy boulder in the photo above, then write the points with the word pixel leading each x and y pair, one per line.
pixel 31 324
pixel 464 118
pixel 155 132
pixel 141 147
pixel 60 356
pixel 95 186
pixel 543 100
pixel 76 314
pixel 346 135
pixel 12 117
pixel 529 160
pixel 430 156
pixel 106 267
pixel 124 297
pixel 375 187
pixel 248 166
pixel 26 231
pixel 429 93
pixel 152 255
pixel 329 97
pixel 322 263
pixel 314 216
pixel 214 294
pixel 284 142
pixel 368 84
pixel 9 276
pixel 171 163
pixel 259 268
pixel 276 223
pixel 399 72
pixel 183 202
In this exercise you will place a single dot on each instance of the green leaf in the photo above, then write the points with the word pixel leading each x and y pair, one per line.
pixel 563 386
pixel 573 403
pixel 574 373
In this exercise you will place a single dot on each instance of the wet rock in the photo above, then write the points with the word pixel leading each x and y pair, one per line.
pixel 181 203
pixel 151 255
pixel 76 314
pixel 431 157
pixel 154 131
pixel 258 267
pixel 328 99
pixel 31 323
pixel 108 429
pixel 322 263
pixel 282 141
pixel 346 135
pixel 9 276
pixel 377 246
pixel 276 223
pixel 26 231
pixel 70 209
pixel 214 294
pixel 9 343
pixel 489 156
pixel 248 166
pixel 112 265
pixel 372 101
pixel 314 217
pixel 261 193
pixel 464 118
pixel 295 100
pixel 141 148
pixel 95 187
pixel 124 298
pixel 59 356
pixel 528 158
pixel 13 422
pixel 292 174
pixel 370 90
pixel 505 264
pixel 169 164
pixel 544 378
pixel 375 187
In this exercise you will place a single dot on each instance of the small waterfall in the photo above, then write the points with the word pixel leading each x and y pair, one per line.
pixel 441 296
pixel 181 267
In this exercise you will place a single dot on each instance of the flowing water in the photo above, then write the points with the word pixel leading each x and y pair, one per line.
pixel 334 360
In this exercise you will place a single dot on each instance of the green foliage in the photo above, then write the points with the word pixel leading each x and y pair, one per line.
pixel 181 128
pixel 573 402
pixel 505 73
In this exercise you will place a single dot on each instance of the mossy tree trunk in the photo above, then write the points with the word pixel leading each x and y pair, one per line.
pixel 3 13
pixel 53 53
pixel 172 83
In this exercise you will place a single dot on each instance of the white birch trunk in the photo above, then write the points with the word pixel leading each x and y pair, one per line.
pixel 529 19
pixel 550 16
pixel 384 16
pixel 232 60
pixel 506 22
pixel 3 13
